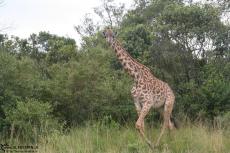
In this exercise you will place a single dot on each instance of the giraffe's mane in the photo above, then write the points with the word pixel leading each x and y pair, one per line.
pixel 134 60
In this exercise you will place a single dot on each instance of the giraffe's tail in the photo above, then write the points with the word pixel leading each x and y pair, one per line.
pixel 175 122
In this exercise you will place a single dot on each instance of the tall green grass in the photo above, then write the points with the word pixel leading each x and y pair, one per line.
pixel 97 138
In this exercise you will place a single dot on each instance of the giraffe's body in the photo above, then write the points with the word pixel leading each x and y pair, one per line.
pixel 148 91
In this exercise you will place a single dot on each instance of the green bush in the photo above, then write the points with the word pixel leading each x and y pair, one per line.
pixel 31 119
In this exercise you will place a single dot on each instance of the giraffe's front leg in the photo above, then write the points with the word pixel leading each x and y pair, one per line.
pixel 137 103
pixel 138 107
pixel 140 123
pixel 136 100
pixel 141 116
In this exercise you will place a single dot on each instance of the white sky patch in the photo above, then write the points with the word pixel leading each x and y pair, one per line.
pixel 24 17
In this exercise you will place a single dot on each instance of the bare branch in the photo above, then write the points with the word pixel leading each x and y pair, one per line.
pixel 110 12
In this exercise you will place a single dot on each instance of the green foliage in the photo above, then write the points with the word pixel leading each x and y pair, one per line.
pixel 30 119
pixel 136 39
pixel 189 18
pixel 18 80
pixel 223 121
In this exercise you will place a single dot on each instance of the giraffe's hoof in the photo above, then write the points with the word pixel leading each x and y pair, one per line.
pixel 157 144
pixel 152 147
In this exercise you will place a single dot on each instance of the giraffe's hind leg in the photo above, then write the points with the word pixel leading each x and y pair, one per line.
pixel 168 107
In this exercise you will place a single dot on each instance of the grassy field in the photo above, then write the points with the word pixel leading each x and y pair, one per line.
pixel 95 138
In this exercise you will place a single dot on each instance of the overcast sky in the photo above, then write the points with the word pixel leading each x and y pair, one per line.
pixel 24 17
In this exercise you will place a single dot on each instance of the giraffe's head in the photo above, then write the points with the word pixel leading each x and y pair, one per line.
pixel 109 35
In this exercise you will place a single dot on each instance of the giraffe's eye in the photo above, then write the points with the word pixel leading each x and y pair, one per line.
pixel 103 33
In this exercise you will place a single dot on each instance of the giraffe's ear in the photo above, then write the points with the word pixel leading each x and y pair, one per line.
pixel 114 34
pixel 103 33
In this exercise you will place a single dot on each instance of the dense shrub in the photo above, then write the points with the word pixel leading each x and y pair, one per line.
pixel 31 119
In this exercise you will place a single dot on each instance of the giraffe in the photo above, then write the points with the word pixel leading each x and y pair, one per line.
pixel 147 92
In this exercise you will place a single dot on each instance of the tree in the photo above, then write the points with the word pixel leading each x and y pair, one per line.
pixel 110 13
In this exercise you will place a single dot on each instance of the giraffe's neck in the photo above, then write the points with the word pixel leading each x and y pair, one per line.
pixel 129 64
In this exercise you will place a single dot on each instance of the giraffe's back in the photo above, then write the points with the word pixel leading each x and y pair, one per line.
pixel 153 90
